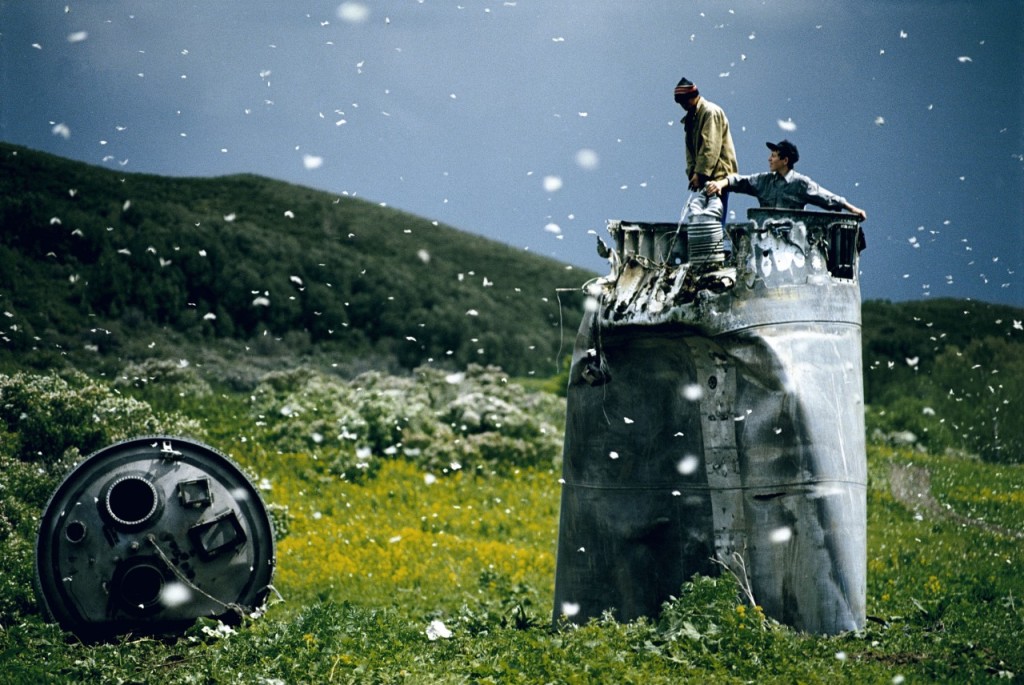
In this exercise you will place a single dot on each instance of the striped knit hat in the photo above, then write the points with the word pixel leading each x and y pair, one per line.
pixel 685 89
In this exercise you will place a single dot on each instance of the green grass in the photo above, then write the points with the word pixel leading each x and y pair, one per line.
pixel 366 566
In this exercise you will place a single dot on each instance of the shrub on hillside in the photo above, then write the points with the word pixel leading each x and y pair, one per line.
pixel 176 377
pixel 442 421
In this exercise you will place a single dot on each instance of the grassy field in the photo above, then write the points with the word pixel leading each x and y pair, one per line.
pixel 436 564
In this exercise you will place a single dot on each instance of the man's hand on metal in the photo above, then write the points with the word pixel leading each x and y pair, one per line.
pixel 861 214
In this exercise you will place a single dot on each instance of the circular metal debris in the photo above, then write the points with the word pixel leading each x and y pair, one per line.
pixel 149 534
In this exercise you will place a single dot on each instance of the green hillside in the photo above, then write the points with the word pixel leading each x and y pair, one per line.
pixel 92 260
pixel 947 375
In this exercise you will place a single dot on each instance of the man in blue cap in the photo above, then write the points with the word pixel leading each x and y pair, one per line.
pixel 783 187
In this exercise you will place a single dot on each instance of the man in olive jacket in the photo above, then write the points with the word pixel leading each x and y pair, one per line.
pixel 710 153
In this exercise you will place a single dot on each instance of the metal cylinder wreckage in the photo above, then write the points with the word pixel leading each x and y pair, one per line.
pixel 715 418
pixel 149 534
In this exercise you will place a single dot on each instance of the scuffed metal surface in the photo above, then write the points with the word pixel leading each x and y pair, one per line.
pixel 716 412
pixel 147 535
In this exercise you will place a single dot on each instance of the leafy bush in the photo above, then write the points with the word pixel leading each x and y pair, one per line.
pixel 173 378
pixel 441 421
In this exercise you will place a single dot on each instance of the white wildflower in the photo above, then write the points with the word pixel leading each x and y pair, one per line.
pixel 221 630
pixel 438 630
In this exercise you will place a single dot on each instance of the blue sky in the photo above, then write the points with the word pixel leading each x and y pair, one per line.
pixel 535 121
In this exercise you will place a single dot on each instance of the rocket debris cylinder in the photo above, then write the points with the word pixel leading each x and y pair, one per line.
pixel 716 414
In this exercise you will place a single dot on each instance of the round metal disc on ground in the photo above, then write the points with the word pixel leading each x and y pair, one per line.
pixel 149 534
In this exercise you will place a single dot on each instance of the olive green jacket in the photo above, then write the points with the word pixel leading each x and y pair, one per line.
pixel 710 152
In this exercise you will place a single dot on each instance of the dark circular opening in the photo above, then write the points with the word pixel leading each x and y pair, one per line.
pixel 75 532
pixel 132 500
pixel 141 586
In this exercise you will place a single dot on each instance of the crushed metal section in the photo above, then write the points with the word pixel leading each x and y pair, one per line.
pixel 715 416
pixel 147 535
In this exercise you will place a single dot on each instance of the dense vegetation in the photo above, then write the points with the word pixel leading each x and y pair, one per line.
pixel 405 559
